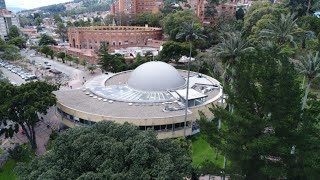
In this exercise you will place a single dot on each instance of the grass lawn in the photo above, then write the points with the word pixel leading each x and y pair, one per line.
pixel 6 173
pixel 7 170
pixel 201 151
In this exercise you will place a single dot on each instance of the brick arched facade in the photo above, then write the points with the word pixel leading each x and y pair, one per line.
pixel 114 36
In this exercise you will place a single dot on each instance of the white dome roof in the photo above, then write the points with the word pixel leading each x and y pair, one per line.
pixel 155 76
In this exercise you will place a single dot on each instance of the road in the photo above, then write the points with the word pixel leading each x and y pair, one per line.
pixel 69 71
pixel 77 75
pixel 12 77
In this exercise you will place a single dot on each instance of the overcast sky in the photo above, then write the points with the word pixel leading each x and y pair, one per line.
pixel 30 4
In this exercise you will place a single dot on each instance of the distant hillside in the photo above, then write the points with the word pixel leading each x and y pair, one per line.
pixel 15 9
pixel 87 5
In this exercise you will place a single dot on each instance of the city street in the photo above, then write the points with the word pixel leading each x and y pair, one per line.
pixel 64 68
pixel 76 75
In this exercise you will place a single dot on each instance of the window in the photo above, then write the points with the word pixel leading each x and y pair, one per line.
pixel 142 128
pixel 81 120
pixel 156 128
pixel 163 127
pixel 177 125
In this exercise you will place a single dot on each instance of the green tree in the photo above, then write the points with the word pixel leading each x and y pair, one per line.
pixel 19 41
pixel 309 66
pixel 260 9
pixel 38 21
pixel 151 19
pixel 46 40
pixel 137 61
pixel 282 31
pixel 92 68
pixel 109 151
pixel 11 53
pixel 233 45
pixel 84 63
pixel 25 21
pixel 50 53
pixel 174 50
pixel 168 7
pixel 20 106
pixel 45 50
pixel 302 7
pixel 69 24
pixel 111 62
pixel 62 56
pixel 2 44
pixel 62 31
pixel 14 32
pixel 258 137
pixel 69 58
pixel 240 14
pixel 189 32
pixel 172 23
pixel 57 18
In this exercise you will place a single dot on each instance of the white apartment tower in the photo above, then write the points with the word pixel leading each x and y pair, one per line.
pixel 7 19
pixel 2 5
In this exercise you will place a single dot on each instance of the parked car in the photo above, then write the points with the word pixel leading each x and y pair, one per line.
pixel 54 71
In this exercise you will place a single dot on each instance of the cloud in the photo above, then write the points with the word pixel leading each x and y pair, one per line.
pixel 30 4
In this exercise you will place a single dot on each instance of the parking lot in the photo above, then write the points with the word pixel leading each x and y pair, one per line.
pixel 16 74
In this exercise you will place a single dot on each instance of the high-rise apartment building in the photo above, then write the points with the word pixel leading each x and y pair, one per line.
pixel 208 13
pixel 2 4
pixel 136 6
pixel 7 19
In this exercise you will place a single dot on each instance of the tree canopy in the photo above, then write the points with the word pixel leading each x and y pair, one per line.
pixel 174 50
pixel 111 62
pixel 46 40
pixel 20 105
pixel 264 136
pixel 172 23
pixel 109 151
pixel 13 32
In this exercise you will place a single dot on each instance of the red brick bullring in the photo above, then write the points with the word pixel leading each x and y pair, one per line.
pixel 114 36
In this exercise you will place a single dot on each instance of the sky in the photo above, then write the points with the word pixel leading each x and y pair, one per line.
pixel 30 4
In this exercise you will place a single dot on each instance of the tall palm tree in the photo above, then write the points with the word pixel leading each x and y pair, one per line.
pixel 189 33
pixel 282 30
pixel 232 46
pixel 309 66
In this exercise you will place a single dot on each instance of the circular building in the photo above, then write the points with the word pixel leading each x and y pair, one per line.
pixel 151 96
pixel 114 36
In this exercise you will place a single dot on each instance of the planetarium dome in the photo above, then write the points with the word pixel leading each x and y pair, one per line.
pixel 155 76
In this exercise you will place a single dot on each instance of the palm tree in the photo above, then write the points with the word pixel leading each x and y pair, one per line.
pixel 309 66
pixel 282 30
pixel 233 45
pixel 189 32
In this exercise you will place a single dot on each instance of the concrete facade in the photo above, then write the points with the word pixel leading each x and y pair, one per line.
pixel 7 19
pixel 114 36
pixel 78 107
pixel 3 5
